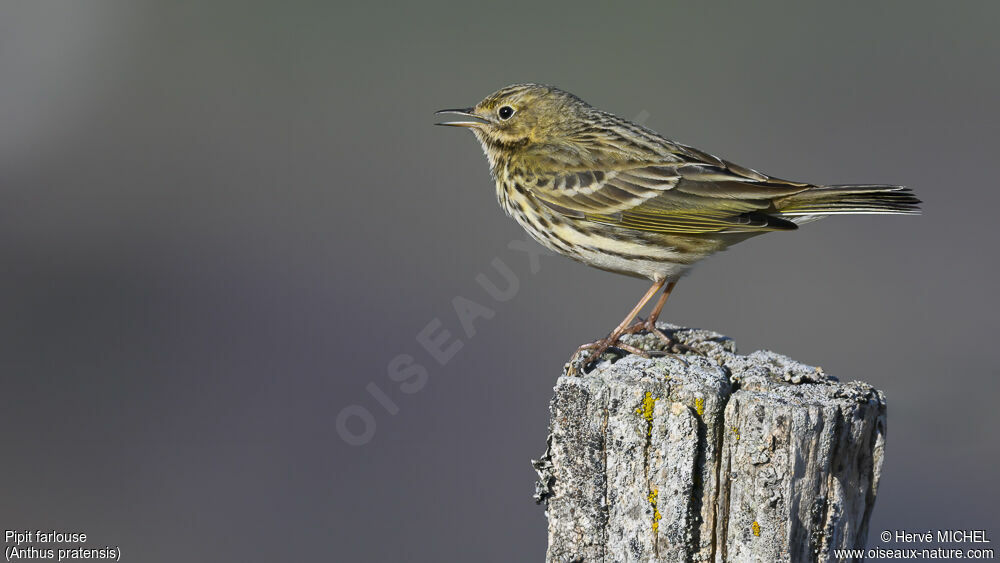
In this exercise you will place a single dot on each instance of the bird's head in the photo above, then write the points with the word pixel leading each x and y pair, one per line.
pixel 521 115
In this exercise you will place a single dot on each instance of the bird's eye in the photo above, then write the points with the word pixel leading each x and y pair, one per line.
pixel 505 112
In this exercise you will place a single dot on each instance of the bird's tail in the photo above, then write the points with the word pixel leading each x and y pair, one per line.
pixel 850 199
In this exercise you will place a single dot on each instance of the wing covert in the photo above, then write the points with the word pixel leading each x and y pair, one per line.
pixel 665 197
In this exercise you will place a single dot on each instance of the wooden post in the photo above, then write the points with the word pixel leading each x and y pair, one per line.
pixel 710 457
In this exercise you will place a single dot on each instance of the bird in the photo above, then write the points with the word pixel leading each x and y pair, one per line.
pixel 617 196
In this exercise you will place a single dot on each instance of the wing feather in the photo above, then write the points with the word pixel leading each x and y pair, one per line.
pixel 683 191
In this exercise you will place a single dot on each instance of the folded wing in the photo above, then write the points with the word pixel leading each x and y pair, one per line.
pixel 683 192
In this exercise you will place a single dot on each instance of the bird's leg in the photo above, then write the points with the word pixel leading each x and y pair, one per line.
pixel 602 345
pixel 649 325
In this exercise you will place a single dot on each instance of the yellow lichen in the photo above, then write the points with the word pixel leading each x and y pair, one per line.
pixel 656 513
pixel 756 528
pixel 737 432
pixel 699 406
pixel 646 410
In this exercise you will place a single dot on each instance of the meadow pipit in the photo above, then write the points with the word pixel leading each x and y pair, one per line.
pixel 615 195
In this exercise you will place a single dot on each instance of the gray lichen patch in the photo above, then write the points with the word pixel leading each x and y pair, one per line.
pixel 709 456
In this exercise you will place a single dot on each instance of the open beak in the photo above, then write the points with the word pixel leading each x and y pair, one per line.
pixel 466 112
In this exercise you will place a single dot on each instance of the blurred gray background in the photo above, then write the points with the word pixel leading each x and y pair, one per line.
pixel 220 224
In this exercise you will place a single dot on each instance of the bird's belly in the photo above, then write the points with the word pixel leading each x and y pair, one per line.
pixel 646 255
pixel 653 263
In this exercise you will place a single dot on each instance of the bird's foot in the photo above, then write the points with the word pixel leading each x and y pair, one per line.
pixel 598 348
pixel 671 346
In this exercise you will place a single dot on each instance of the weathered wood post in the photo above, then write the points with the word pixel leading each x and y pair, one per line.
pixel 709 457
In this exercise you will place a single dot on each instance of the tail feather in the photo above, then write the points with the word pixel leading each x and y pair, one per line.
pixel 850 199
